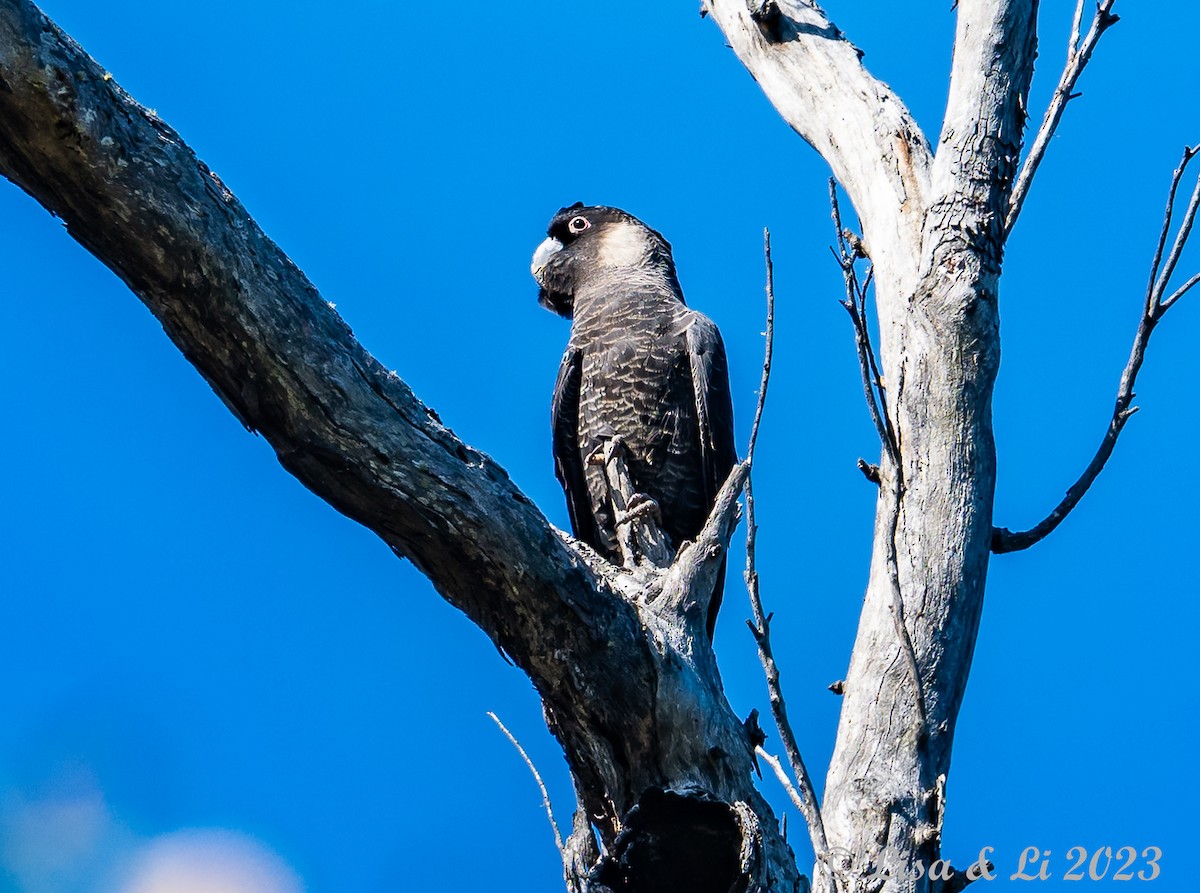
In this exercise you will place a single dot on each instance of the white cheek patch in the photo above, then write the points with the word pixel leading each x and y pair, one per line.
pixel 623 245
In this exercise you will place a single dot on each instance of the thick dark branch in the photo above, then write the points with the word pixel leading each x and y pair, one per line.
pixel 1153 309
pixel 130 190
pixel 630 689
pixel 1078 56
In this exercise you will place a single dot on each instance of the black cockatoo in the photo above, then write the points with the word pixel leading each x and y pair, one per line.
pixel 639 365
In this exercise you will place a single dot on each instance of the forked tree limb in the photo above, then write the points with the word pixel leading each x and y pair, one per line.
pixel 1078 56
pixel 815 78
pixel 633 695
pixel 1154 307
pixel 938 343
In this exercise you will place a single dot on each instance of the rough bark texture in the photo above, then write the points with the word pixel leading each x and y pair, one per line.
pixel 934 230
pixel 624 668
pixel 630 686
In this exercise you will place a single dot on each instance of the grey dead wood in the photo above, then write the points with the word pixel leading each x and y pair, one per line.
pixel 933 228
pixel 935 219
pixel 630 685
pixel 627 675
pixel 1154 307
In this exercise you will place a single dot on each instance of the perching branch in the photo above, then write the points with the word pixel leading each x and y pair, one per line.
pixel 640 537
pixel 131 191
pixel 1078 56
pixel 1153 309
pixel 760 627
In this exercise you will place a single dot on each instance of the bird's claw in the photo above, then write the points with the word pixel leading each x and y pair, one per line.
pixel 639 506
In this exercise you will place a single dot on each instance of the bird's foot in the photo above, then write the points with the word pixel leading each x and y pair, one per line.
pixel 607 452
pixel 639 506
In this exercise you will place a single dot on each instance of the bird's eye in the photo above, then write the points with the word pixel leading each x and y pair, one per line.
pixel 578 224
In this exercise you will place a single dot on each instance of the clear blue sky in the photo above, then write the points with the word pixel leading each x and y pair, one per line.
pixel 191 642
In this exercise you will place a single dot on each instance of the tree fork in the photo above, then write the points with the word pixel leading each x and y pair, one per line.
pixel 630 689
pixel 933 226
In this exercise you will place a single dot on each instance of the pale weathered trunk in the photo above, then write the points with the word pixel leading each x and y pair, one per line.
pixel 662 765
pixel 933 225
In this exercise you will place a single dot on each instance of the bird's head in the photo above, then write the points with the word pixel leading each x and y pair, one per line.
pixel 586 244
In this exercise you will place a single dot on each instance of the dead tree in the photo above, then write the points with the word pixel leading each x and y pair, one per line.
pixel 935 219
pixel 662 766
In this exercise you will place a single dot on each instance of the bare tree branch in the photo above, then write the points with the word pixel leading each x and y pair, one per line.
pixel 1165 231
pixel 1077 59
pixel 558 840
pixel 1165 305
pixel 815 78
pixel 855 303
pixel 798 800
pixel 849 252
pixel 986 96
pixel 768 349
pixel 1153 309
pixel 938 346
pixel 760 628
pixel 640 538
pixel 1154 299
pixel 130 190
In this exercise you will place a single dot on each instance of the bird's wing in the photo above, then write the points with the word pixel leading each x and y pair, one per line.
pixel 714 412
pixel 714 406
pixel 568 463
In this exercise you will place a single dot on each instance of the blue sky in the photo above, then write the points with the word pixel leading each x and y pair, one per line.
pixel 194 648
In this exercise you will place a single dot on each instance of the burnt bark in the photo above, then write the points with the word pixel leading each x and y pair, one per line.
pixel 661 765
pixel 624 668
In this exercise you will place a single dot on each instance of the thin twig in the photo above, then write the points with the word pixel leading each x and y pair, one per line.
pixel 558 841
pixel 1155 306
pixel 1078 56
pixel 856 305
pixel 782 775
pixel 1154 299
pixel 768 350
pixel 760 627
pixel 1076 23
pixel 898 619
pixel 1180 292
pixel 1166 227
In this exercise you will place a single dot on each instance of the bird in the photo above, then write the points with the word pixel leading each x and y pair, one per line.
pixel 639 365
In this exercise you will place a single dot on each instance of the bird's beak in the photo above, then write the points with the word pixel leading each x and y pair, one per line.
pixel 541 257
